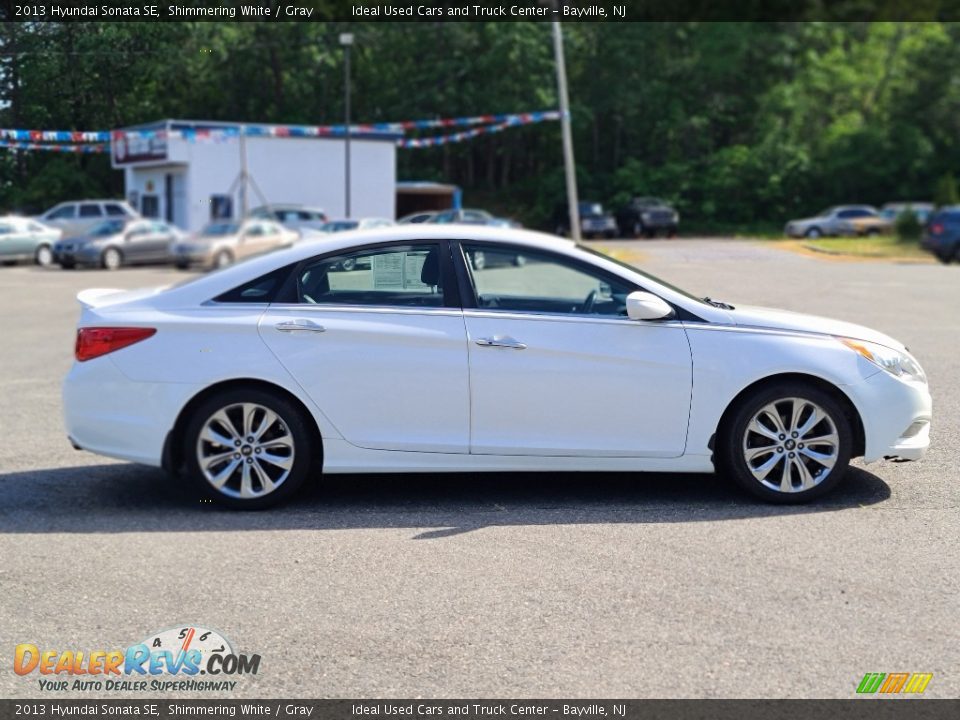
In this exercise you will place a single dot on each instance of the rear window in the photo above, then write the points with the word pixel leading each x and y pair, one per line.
pixel 89 211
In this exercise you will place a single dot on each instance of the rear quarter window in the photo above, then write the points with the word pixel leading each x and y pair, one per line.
pixel 264 289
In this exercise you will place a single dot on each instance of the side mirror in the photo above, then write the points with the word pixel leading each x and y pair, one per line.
pixel 646 306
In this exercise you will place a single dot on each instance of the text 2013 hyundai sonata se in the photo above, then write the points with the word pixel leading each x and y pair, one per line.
pixel 546 356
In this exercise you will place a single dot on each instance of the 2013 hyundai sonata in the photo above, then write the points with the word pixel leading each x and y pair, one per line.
pixel 253 378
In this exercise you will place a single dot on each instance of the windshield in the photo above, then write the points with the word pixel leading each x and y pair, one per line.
pixel 108 227
pixel 338 226
pixel 826 213
pixel 218 229
pixel 589 208
pixel 647 275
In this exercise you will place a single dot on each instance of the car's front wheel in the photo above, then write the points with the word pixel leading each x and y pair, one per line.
pixel 248 449
pixel 111 259
pixel 787 444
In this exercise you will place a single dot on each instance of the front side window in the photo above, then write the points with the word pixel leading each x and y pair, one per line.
pixel 64 213
pixel 518 280
pixel 399 275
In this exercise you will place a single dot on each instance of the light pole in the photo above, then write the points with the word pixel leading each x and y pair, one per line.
pixel 569 165
pixel 346 40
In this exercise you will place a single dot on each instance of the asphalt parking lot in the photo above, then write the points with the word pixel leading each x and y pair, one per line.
pixel 501 585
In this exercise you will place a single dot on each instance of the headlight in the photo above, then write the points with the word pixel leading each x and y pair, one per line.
pixel 899 364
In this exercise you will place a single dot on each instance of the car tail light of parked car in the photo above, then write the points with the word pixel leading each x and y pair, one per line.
pixel 936 229
pixel 96 341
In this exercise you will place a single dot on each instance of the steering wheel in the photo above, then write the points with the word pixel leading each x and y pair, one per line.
pixel 588 304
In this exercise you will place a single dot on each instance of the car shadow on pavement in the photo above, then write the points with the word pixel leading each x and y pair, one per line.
pixel 133 498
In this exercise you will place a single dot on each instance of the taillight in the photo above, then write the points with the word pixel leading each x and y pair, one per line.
pixel 96 341
pixel 936 229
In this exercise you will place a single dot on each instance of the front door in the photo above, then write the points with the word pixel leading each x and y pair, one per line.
pixel 379 348
pixel 557 369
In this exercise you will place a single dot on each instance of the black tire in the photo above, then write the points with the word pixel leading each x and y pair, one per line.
pixel 813 233
pixel 292 421
pixel 672 232
pixel 610 234
pixel 182 265
pixel 68 264
pixel 733 437
pixel 872 232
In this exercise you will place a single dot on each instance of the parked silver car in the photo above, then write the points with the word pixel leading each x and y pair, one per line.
pixel 840 220
pixel 114 243
pixel 23 239
pixel 80 217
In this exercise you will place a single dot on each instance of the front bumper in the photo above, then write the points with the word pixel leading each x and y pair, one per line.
pixel 896 417
pixel 76 255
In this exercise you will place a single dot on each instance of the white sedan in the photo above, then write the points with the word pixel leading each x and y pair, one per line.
pixel 253 378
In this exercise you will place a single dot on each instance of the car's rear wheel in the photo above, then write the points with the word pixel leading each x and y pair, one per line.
pixel 44 256
pixel 248 449
pixel 787 444
pixel 111 259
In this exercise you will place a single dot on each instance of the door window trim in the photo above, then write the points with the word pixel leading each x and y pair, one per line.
pixel 468 291
pixel 288 294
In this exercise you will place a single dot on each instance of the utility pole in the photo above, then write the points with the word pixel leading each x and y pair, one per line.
pixel 570 167
pixel 346 40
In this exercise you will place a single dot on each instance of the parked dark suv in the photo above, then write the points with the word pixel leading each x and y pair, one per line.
pixel 942 234
pixel 646 216
pixel 594 220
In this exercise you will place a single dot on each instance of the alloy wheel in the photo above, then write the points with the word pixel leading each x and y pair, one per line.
pixel 245 451
pixel 791 445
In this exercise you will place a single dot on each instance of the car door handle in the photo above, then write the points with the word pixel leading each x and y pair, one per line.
pixel 300 325
pixel 504 341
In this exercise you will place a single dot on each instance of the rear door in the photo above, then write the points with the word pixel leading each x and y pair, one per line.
pixel 380 348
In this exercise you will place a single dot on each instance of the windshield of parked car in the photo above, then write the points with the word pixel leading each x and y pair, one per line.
pixel 588 208
pixel 220 229
pixel 108 227
pixel 828 212
pixel 338 226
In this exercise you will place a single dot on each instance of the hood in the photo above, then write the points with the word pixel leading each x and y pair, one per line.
pixel 805 221
pixel 101 297
pixel 768 318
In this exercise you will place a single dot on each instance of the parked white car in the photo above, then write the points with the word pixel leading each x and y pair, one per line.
pixel 275 370
pixel 79 217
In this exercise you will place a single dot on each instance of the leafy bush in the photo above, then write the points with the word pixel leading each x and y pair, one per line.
pixel 946 191
pixel 907 226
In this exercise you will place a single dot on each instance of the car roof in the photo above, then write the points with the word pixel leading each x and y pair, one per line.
pixel 203 288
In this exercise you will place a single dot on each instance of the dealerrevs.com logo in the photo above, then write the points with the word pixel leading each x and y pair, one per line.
pixel 186 658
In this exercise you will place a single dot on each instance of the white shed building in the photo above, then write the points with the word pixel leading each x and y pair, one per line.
pixel 189 172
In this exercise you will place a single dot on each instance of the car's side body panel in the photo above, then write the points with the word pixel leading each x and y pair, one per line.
pixel 593 387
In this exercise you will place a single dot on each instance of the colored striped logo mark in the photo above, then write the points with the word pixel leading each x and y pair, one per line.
pixel 890 683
